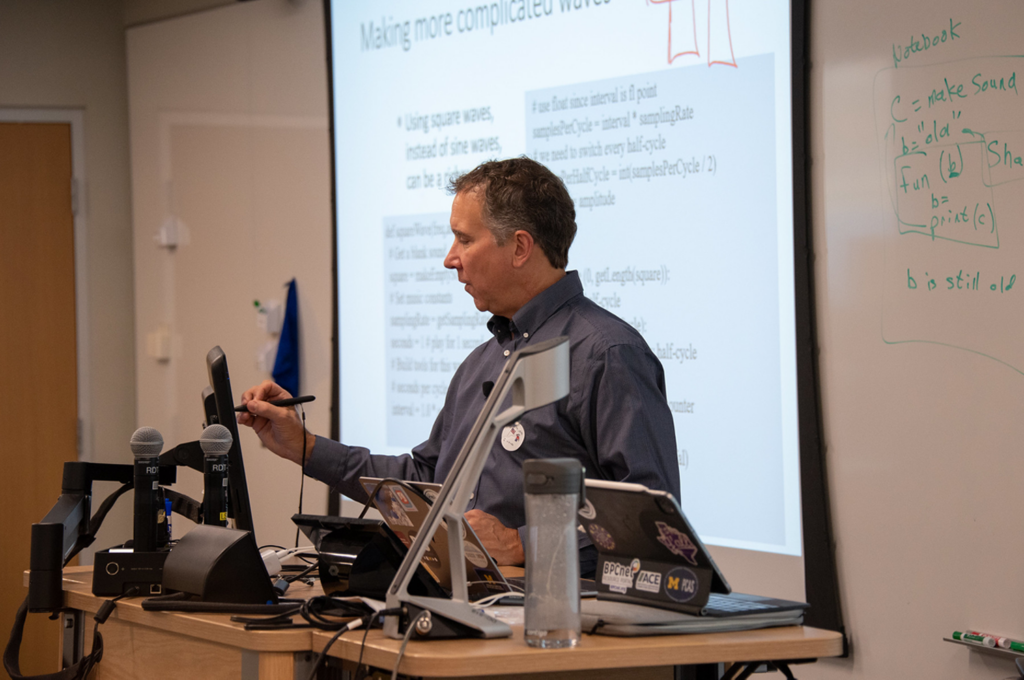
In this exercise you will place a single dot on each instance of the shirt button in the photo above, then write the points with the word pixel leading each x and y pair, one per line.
pixel 526 335
pixel 471 496
pixel 507 352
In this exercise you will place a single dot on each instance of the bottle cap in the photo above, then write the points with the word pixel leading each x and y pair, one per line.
pixel 553 476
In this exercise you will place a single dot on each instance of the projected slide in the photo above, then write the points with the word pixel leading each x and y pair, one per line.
pixel 669 122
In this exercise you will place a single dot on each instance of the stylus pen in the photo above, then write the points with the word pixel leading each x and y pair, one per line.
pixel 281 402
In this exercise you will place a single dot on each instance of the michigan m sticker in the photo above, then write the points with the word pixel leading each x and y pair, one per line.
pixel 681 584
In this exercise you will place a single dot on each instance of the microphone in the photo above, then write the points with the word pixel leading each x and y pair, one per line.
pixel 215 442
pixel 488 386
pixel 146 445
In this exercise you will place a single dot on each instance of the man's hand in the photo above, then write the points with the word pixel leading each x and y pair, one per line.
pixel 279 428
pixel 500 541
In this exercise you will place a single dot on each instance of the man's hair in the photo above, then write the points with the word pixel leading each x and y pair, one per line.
pixel 520 193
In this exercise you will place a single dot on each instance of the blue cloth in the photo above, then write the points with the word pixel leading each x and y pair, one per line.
pixel 616 419
pixel 286 364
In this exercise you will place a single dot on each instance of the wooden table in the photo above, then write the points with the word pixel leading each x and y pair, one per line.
pixel 154 645
pixel 597 656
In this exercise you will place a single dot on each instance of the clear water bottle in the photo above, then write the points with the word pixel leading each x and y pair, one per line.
pixel 554 492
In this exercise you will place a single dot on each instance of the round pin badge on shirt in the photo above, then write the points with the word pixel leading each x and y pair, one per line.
pixel 512 436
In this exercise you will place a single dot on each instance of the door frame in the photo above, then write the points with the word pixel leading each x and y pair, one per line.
pixel 76 119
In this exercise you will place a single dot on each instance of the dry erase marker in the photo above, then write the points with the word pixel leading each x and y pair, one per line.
pixel 280 402
pixel 1003 642
pixel 982 640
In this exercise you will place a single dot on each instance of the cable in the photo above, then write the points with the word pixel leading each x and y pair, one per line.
pixel 495 598
pixel 362 648
pixel 310 556
pixel 101 616
pixel 405 641
pixel 272 559
pixel 323 612
pixel 364 621
pixel 302 470
pixel 285 553
pixel 296 577
pixel 272 546
pixel 323 653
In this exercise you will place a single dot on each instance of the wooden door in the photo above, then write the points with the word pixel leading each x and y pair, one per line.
pixel 38 379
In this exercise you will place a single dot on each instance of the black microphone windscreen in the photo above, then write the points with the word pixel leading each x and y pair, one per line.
pixel 488 386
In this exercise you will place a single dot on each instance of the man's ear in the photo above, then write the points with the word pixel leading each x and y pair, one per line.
pixel 523 247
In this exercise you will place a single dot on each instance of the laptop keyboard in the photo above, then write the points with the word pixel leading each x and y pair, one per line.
pixel 732 605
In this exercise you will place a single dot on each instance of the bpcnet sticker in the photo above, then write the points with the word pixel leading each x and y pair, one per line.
pixel 618 577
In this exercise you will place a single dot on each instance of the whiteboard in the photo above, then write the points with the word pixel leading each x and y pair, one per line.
pixel 950 142
pixel 917 204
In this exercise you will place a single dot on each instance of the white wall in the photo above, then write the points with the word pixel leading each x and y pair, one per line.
pixel 66 54
pixel 137 12
pixel 230 142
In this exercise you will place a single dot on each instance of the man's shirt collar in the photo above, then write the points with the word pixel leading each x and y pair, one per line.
pixel 534 313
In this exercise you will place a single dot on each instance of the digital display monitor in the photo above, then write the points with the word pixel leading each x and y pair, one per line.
pixel 238 491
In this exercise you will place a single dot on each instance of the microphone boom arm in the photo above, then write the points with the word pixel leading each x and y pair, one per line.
pixel 67 528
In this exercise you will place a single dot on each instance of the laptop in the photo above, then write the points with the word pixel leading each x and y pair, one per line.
pixel 404 507
pixel 649 554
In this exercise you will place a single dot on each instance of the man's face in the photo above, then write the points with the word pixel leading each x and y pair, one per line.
pixel 483 266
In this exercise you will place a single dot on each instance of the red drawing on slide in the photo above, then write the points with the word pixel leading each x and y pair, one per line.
pixel 682 35
pixel 682 25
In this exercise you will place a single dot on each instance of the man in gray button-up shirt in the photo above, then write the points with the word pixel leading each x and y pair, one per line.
pixel 513 222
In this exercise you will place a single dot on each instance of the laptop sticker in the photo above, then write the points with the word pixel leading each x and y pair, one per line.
pixel 430 494
pixel 681 584
pixel 588 511
pixel 475 556
pixel 399 494
pixel 602 539
pixel 677 542
pixel 648 581
pixel 512 436
pixel 403 538
pixel 618 577
pixel 391 509
pixel 487 575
